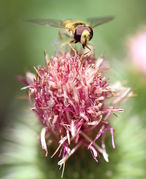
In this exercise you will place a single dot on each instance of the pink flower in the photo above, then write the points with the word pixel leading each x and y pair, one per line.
pixel 74 101
pixel 137 50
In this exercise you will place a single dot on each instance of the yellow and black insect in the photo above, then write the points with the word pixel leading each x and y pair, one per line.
pixel 78 31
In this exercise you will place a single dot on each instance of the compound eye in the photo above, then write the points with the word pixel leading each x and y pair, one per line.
pixel 91 33
pixel 77 35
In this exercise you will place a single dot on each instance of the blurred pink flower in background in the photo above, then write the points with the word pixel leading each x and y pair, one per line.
pixel 137 50
pixel 74 101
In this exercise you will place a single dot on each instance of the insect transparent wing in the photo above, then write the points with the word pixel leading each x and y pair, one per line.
pixel 96 21
pixel 47 22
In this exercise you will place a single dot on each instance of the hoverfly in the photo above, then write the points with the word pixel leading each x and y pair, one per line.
pixel 78 31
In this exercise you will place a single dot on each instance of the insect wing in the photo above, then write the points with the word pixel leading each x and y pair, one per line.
pixel 47 22
pixel 96 21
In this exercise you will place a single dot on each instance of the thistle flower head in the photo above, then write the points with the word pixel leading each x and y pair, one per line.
pixel 74 101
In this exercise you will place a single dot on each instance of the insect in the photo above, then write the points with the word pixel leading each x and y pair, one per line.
pixel 78 31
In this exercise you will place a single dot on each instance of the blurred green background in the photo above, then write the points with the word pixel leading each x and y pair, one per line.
pixel 22 45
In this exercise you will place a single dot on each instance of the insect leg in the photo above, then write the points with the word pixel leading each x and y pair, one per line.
pixel 60 36
pixel 70 44
pixel 89 49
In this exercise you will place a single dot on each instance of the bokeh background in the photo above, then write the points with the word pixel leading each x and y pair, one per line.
pixel 22 46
